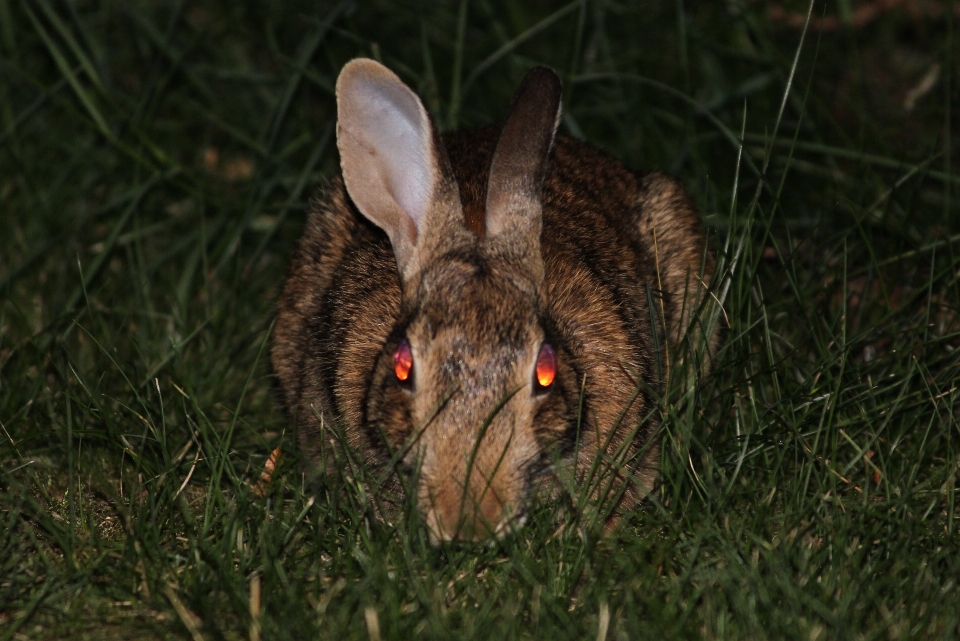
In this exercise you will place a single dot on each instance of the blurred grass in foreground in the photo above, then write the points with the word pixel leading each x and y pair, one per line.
pixel 155 163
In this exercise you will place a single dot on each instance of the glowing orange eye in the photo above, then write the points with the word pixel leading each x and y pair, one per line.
pixel 546 366
pixel 402 361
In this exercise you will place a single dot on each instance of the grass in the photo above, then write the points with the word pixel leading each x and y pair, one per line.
pixel 155 163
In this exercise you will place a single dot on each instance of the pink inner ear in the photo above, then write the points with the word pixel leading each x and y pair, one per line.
pixel 392 123
pixel 385 145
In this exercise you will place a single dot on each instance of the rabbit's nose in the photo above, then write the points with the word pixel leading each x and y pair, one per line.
pixel 474 515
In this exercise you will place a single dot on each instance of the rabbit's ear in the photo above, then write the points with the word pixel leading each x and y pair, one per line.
pixel 394 165
pixel 519 166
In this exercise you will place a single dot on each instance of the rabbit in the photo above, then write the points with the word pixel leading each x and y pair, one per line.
pixel 472 310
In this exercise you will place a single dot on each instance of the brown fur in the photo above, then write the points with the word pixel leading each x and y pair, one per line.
pixel 479 315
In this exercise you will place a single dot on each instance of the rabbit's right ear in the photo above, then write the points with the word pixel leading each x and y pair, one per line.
pixel 394 165
pixel 519 165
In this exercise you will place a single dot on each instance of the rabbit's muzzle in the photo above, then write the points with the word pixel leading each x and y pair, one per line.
pixel 474 467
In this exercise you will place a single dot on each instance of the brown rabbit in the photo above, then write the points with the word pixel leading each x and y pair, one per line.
pixel 475 309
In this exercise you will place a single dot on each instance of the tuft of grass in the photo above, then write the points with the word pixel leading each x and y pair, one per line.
pixel 155 163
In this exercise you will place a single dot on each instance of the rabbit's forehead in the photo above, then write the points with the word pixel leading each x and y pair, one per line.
pixel 475 266
pixel 476 300
pixel 462 327
pixel 477 312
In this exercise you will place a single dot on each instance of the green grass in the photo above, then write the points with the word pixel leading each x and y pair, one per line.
pixel 156 159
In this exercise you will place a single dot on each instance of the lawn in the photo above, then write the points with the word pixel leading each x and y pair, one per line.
pixel 156 162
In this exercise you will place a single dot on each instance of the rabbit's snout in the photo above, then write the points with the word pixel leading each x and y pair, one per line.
pixel 488 520
pixel 474 468
pixel 473 514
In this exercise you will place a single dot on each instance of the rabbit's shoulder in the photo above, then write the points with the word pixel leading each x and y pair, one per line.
pixel 341 287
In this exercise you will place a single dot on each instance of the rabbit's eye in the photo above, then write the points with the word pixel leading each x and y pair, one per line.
pixel 546 367
pixel 402 361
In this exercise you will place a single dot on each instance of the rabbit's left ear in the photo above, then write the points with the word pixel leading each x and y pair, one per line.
pixel 394 165
pixel 519 166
